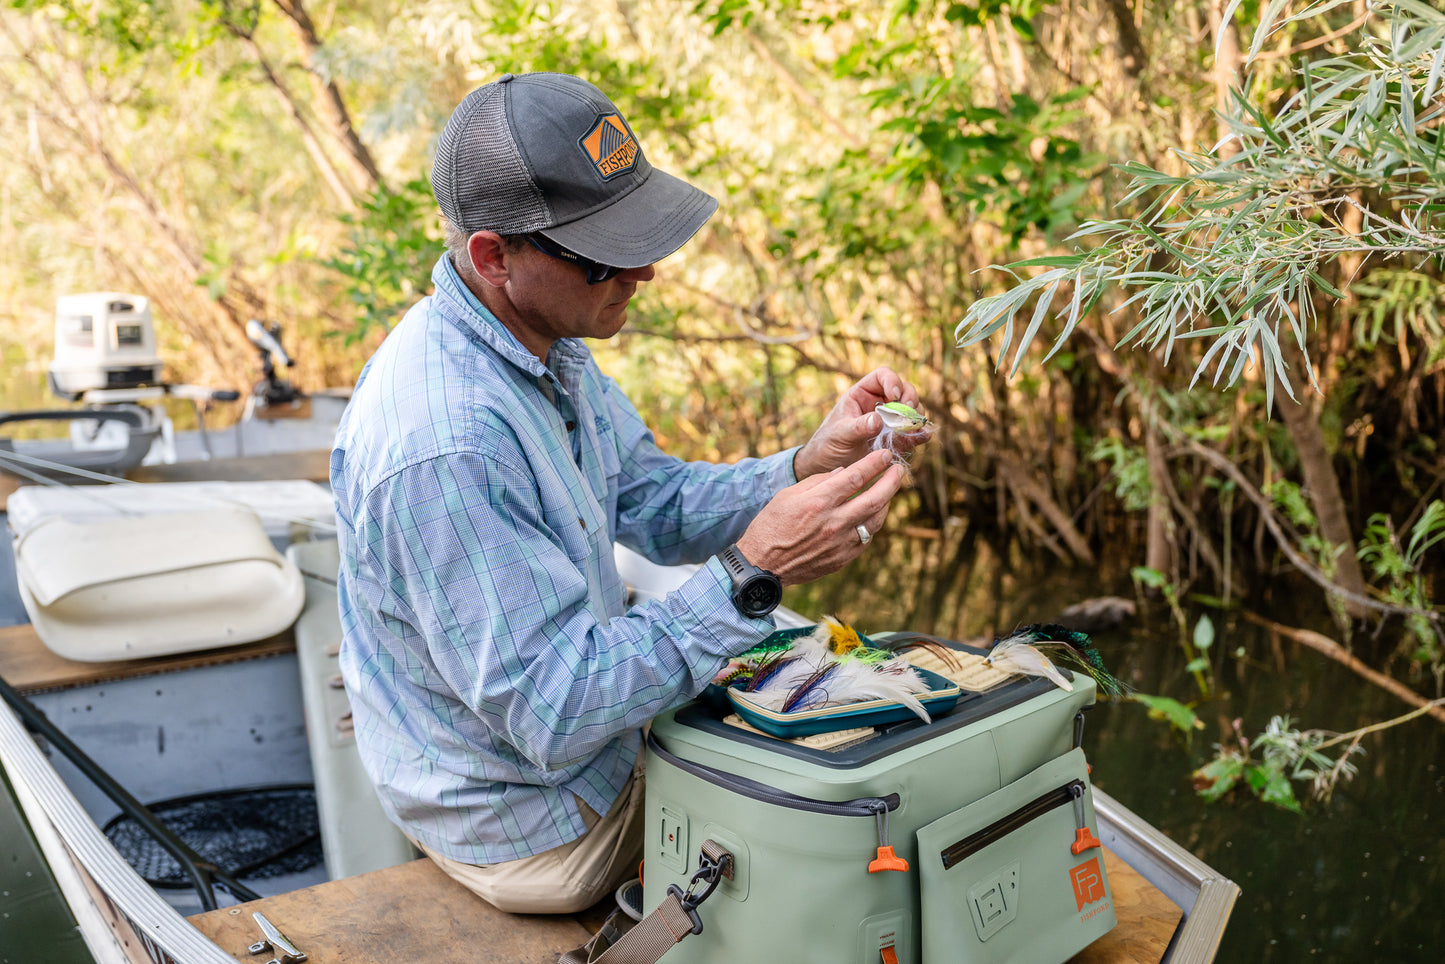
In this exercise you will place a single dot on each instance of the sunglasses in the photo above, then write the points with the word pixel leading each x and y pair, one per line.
pixel 596 271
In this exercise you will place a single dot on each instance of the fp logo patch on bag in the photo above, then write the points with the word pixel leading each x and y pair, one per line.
pixel 1088 882
pixel 610 146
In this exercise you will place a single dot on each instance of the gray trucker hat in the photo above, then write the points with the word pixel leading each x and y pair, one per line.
pixel 549 153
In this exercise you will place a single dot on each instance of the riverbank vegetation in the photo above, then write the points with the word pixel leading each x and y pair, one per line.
pixel 1273 229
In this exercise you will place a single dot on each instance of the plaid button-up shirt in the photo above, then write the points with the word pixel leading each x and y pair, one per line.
pixel 493 666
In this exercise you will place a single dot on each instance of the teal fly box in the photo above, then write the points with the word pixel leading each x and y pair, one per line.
pixel 968 838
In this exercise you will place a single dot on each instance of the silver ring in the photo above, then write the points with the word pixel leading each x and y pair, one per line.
pixel 864 536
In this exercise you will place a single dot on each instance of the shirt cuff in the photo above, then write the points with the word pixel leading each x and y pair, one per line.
pixel 789 473
pixel 709 597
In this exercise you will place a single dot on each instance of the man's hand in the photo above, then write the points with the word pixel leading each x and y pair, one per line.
pixel 809 529
pixel 847 434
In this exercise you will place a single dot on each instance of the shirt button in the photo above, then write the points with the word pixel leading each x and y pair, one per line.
pixel 571 426
pixel 582 523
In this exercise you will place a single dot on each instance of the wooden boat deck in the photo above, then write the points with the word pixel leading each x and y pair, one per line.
pixel 30 667
pixel 415 912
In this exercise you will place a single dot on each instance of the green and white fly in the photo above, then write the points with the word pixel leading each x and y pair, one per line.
pixel 903 428
pixel 898 417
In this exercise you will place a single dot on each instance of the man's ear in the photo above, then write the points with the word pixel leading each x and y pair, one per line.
pixel 488 253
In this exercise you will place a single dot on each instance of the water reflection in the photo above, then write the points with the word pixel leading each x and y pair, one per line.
pixel 1357 878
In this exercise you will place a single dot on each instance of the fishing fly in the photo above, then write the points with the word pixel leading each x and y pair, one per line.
pixel 1038 649
pixel 832 665
pixel 903 429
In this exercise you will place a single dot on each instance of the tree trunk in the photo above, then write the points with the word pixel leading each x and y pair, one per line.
pixel 1226 68
pixel 1322 486
pixel 327 98
pixel 339 189
pixel 1131 47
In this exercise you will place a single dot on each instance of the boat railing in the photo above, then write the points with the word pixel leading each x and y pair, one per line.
pixel 166 936
pixel 1206 897
pixel 203 874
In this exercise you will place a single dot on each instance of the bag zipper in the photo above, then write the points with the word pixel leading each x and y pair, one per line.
pixel 876 807
pixel 861 807
pixel 1029 812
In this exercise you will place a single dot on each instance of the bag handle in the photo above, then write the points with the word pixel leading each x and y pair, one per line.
pixel 675 918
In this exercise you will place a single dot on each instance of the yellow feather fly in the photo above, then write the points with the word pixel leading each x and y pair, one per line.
pixel 842 638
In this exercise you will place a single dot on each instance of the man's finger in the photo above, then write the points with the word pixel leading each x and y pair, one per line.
pixel 867 426
pixel 875 500
pixel 843 483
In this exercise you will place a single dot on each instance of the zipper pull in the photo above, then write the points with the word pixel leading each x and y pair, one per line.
pixel 886 859
pixel 1084 839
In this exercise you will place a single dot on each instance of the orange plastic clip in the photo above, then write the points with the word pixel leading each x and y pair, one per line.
pixel 886 860
pixel 1084 840
pixel 888 954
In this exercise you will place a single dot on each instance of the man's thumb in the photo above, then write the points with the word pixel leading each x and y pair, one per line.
pixel 868 425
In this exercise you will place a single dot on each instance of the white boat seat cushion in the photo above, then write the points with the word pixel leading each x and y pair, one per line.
pixel 153 585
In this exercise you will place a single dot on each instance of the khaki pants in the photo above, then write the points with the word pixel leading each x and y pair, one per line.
pixel 570 878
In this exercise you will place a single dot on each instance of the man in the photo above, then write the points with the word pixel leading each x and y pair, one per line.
pixel 483 471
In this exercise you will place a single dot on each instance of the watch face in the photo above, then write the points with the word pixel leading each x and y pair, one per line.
pixel 759 596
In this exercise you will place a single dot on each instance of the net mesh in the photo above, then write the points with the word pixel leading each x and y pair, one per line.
pixel 253 834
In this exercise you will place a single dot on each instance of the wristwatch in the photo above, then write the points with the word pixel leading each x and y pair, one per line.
pixel 756 592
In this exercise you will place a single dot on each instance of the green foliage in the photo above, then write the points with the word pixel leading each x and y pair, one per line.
pixel 1194 645
pixel 1233 251
pixel 385 265
pixel 1400 568
pixel 1290 499
pixel 1267 765
pixel 1019 14
pixel 1130 470
pixel 722 14
pixel 1397 307
pixel 1017 164
pixel 132 26
pixel 1178 715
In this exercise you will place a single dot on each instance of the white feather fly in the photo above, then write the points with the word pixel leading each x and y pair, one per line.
pixel 857 680
pixel 1015 655
pixel 848 681
pixel 774 691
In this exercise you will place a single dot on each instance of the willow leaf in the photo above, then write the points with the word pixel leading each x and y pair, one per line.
pixel 1266 27
pixel 1051 261
pixel 1041 311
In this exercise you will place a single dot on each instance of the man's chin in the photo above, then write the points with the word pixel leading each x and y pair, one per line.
pixel 615 318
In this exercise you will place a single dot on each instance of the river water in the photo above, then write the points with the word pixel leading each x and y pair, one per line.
pixel 1357 878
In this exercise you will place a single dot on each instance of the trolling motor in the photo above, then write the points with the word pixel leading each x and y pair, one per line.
pixel 270 391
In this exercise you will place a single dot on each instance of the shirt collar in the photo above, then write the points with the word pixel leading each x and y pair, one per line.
pixel 460 306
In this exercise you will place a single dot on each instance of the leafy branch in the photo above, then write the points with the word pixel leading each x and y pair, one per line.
pixel 1232 251
pixel 1267 764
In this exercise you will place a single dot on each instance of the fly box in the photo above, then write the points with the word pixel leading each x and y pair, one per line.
pixel 970 838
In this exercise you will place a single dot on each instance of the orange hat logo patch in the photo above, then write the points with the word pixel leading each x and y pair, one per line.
pixel 610 146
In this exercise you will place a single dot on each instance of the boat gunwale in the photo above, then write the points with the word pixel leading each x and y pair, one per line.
pixel 159 925
pixel 1206 896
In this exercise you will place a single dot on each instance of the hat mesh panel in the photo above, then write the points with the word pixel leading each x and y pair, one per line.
pixel 496 192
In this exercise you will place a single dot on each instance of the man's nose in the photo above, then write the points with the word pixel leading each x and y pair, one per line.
pixel 645 273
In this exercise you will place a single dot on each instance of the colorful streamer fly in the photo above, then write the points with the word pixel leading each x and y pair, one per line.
pixel 831 666
pixel 1036 650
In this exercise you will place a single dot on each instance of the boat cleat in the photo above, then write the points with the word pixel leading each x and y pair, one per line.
pixel 276 942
